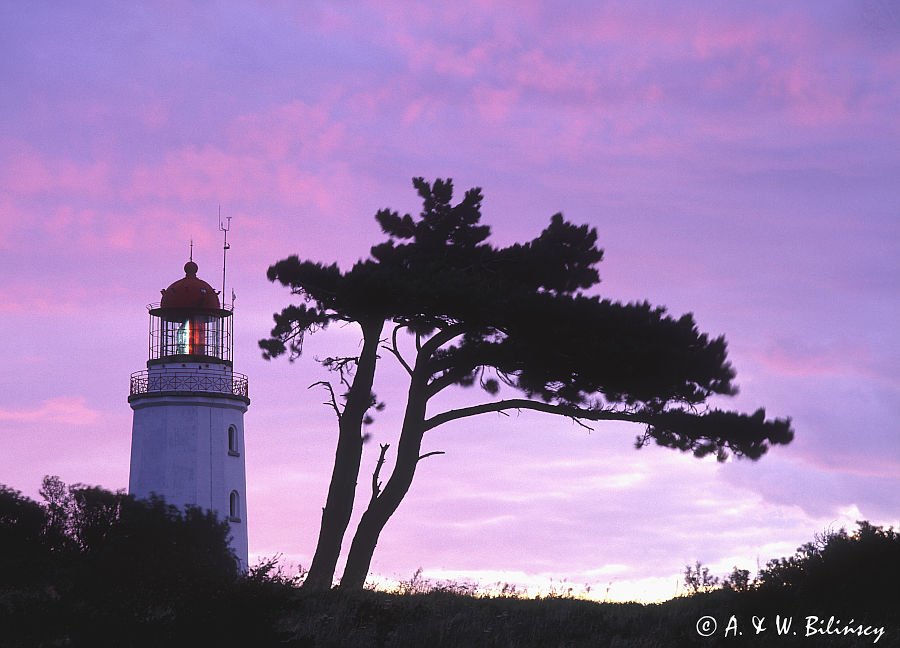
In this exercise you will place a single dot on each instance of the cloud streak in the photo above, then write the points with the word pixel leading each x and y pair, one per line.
pixel 61 409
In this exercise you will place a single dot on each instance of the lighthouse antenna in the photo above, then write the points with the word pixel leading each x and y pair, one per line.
pixel 224 226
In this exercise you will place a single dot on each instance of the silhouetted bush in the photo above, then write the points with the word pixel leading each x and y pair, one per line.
pixel 94 568
pixel 840 571
pixel 24 552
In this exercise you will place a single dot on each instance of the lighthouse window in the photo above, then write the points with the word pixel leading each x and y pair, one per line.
pixel 182 337
pixel 234 507
pixel 233 441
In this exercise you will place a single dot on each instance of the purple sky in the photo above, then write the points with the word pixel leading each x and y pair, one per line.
pixel 739 162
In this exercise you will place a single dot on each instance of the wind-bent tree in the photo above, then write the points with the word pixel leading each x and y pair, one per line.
pixel 490 316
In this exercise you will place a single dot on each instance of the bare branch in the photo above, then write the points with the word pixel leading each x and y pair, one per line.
pixel 431 454
pixel 578 421
pixel 643 440
pixel 332 401
pixel 396 351
pixel 345 366
pixel 376 485
pixel 507 379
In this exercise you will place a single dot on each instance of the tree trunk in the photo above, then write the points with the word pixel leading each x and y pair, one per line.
pixel 383 506
pixel 342 489
pixel 379 512
pixel 337 510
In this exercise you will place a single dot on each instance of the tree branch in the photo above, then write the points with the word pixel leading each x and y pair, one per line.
pixel 714 432
pixel 332 402
pixel 449 377
pixel 570 411
pixel 376 485
pixel 395 351
pixel 343 365
pixel 441 338
pixel 431 454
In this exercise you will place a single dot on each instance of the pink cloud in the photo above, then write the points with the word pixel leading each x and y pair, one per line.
pixel 415 110
pixel 544 73
pixel 462 64
pixel 796 359
pixel 813 97
pixel 266 154
pixel 495 104
pixel 10 220
pixel 617 24
pixel 288 129
pixel 715 39
pixel 446 58
pixel 454 42
pixel 26 171
pixel 198 173
pixel 37 296
pixel 297 187
pixel 432 51
pixel 69 227
pixel 368 102
pixel 769 58
pixel 62 409
pixel 154 113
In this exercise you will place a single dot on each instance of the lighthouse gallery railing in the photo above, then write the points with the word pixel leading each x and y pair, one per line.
pixel 194 380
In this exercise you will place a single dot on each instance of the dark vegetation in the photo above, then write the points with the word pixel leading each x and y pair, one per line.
pixel 87 567
pixel 519 322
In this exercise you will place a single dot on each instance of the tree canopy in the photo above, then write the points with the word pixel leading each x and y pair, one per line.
pixel 522 323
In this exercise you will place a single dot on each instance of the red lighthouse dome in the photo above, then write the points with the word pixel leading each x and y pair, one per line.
pixel 189 324
pixel 189 292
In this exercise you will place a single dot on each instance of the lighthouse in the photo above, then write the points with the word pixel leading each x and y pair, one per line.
pixel 187 439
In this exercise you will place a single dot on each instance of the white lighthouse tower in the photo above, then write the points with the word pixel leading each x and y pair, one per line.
pixel 187 440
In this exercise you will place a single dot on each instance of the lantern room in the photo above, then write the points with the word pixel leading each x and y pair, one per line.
pixel 189 323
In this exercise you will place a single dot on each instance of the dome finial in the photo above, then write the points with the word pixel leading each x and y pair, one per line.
pixel 190 268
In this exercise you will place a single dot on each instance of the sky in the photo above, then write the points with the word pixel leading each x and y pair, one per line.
pixel 738 160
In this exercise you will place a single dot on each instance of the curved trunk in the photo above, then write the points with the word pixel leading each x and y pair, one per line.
pixel 383 506
pixel 380 510
pixel 341 490
pixel 337 510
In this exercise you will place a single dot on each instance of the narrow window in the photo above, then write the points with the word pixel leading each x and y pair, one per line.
pixel 233 441
pixel 234 507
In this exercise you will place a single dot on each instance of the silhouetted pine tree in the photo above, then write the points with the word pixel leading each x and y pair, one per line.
pixel 515 316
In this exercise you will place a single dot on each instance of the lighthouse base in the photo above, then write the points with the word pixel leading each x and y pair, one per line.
pixel 189 450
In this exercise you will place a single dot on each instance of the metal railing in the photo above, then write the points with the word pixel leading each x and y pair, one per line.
pixel 193 380
pixel 225 306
